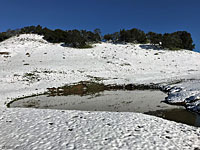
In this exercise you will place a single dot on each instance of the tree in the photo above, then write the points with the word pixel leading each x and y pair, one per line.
pixel 133 36
pixel 3 36
pixel 123 37
pixel 77 38
pixel 113 37
pixel 171 41
pixel 154 38
pixel 97 33
pixel 178 40
pixel 38 30
pixel 108 37
pixel 187 42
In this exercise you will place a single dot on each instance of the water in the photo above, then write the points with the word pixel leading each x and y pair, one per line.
pixel 178 115
pixel 142 101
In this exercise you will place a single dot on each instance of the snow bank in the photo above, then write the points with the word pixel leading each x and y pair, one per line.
pixel 186 93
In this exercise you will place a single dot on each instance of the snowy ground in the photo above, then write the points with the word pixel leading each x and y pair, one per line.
pixel 53 130
pixel 34 65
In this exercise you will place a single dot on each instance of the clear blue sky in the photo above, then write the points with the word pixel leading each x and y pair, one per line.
pixel 108 15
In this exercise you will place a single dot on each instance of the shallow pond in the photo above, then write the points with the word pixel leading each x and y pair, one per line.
pixel 142 101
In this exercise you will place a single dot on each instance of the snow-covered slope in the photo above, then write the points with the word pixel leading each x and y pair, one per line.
pixel 34 65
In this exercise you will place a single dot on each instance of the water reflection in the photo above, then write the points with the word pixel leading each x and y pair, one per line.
pixel 142 101
pixel 178 115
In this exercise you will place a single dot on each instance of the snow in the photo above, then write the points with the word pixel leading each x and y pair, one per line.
pixel 34 65
pixel 51 129
pixel 187 92
pixel 55 65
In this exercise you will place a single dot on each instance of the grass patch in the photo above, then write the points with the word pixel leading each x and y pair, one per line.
pixel 81 88
pixel 174 49
pixel 85 46
pixel 91 88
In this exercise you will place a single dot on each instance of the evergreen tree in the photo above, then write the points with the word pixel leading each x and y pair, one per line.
pixel 154 38
pixel 187 42
pixel 133 36
pixel 97 34
pixel 178 40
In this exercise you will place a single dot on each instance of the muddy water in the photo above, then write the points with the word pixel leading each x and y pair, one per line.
pixel 142 101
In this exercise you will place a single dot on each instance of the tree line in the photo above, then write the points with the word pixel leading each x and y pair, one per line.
pixel 72 38
pixel 173 41
pixel 83 39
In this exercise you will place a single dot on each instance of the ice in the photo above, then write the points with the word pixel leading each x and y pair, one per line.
pixel 187 93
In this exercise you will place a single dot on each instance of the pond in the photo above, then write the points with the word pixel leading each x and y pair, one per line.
pixel 141 101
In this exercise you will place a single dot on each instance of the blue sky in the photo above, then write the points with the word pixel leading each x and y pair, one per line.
pixel 108 15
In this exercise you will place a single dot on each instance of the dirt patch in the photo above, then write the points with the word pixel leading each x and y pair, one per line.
pixel 81 88
pixel 88 88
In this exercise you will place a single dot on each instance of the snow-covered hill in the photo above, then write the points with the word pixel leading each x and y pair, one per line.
pixel 29 65
pixel 53 65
